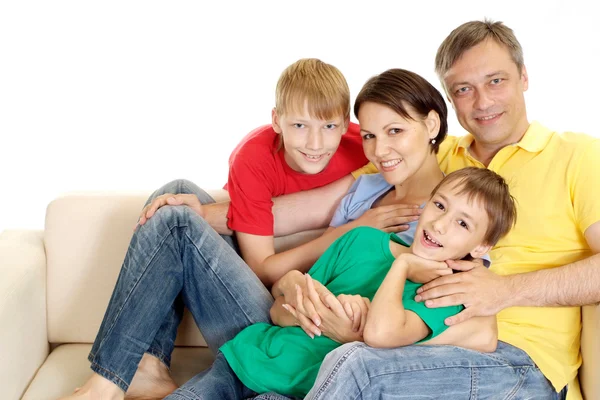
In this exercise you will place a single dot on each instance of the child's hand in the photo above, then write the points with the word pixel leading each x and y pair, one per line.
pixel 421 270
pixel 356 308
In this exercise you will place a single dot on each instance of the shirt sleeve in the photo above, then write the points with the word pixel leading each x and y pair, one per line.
pixel 251 185
pixel 433 317
pixel 584 187
pixel 341 213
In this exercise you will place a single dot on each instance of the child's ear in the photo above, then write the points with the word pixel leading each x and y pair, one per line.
pixel 346 125
pixel 275 121
pixel 480 250
pixel 432 121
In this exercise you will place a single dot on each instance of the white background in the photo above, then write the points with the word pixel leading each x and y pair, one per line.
pixel 128 95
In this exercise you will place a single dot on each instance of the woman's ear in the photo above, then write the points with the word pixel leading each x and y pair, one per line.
pixel 480 250
pixel 432 121
pixel 275 121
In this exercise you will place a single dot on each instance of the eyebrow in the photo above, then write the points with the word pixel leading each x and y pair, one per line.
pixel 488 76
pixel 385 126
pixel 462 213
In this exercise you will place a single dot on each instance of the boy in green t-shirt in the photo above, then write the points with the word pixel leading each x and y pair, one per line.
pixel 468 212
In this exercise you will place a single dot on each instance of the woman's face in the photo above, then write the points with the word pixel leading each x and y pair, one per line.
pixel 397 146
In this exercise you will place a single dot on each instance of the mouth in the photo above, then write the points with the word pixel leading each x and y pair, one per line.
pixel 313 157
pixel 390 165
pixel 430 241
pixel 488 119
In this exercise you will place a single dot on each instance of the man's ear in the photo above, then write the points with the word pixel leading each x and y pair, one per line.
pixel 480 250
pixel 275 121
pixel 432 121
pixel 524 78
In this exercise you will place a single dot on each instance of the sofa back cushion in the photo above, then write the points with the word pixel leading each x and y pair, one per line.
pixel 86 237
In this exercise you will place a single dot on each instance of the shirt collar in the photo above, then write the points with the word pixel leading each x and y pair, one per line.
pixel 535 139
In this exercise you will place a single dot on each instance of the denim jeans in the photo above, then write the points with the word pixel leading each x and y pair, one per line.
pixel 175 259
pixel 356 371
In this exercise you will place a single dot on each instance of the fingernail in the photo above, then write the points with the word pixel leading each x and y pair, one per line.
pixel 317 322
pixel 429 303
pixel 311 335
pixel 419 290
pixel 317 332
pixel 285 306
pixel 418 298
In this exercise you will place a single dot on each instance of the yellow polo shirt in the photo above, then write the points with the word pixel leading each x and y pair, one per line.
pixel 555 179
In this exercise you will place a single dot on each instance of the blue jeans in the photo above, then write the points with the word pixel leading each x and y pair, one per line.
pixel 356 371
pixel 175 259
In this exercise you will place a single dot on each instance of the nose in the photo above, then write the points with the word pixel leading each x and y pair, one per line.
pixel 440 224
pixel 314 141
pixel 381 147
pixel 483 100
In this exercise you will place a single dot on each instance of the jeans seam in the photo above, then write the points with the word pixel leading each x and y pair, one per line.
pixel 111 376
pixel 513 393
pixel 218 277
pixel 135 284
pixel 335 370
pixel 162 357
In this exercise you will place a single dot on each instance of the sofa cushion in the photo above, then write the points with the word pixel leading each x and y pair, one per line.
pixel 67 368
pixel 86 237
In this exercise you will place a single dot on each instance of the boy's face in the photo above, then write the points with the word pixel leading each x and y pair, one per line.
pixel 451 227
pixel 309 143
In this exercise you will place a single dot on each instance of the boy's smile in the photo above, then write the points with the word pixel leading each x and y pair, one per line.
pixel 452 225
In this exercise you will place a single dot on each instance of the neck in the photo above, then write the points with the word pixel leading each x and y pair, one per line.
pixel 484 152
pixel 417 189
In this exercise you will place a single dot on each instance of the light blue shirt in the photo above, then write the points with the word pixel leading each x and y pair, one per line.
pixel 360 198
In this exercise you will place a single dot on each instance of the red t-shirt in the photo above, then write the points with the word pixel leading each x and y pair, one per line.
pixel 258 172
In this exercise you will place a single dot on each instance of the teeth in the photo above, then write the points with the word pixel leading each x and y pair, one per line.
pixel 487 118
pixel 431 240
pixel 312 157
pixel 391 163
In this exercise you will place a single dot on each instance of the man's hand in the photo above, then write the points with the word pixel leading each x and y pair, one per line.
pixel 392 218
pixel 482 292
pixel 421 270
pixel 169 199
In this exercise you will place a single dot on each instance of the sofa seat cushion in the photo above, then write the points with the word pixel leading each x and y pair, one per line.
pixel 67 367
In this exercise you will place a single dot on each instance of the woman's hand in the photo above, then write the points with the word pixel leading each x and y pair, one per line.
pixel 391 218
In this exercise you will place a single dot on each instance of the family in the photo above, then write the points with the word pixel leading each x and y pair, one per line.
pixel 451 267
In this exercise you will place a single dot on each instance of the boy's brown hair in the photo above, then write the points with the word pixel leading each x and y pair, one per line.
pixel 398 88
pixel 472 33
pixel 312 83
pixel 489 188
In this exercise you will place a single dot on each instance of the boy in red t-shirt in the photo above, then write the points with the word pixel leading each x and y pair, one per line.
pixel 310 143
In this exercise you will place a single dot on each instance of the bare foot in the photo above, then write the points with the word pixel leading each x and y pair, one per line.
pixel 151 381
pixel 97 388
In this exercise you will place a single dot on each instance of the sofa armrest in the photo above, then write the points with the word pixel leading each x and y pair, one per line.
pixel 23 336
pixel 590 351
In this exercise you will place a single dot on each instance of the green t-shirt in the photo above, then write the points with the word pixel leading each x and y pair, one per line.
pixel 284 359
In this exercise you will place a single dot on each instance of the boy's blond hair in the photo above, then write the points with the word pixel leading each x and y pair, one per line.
pixel 311 83
pixel 491 190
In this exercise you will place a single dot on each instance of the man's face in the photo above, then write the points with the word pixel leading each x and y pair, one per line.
pixel 451 226
pixel 309 142
pixel 487 93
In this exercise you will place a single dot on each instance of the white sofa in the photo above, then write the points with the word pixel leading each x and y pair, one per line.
pixel 55 285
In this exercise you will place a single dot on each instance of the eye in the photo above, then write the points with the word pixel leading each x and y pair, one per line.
pixel 463 224
pixel 330 126
pixel 496 81
pixel 298 126
pixel 395 131
pixel 368 136
pixel 462 90
pixel 439 205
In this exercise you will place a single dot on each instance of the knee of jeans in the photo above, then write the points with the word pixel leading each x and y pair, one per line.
pixel 175 215
pixel 180 186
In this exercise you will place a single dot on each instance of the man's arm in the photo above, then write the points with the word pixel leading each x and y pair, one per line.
pixel 484 293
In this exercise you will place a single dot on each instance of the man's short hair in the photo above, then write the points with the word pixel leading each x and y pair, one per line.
pixel 491 190
pixel 312 83
pixel 470 34
pixel 398 88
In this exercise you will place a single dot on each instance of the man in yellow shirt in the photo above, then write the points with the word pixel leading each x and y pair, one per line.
pixel 542 272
